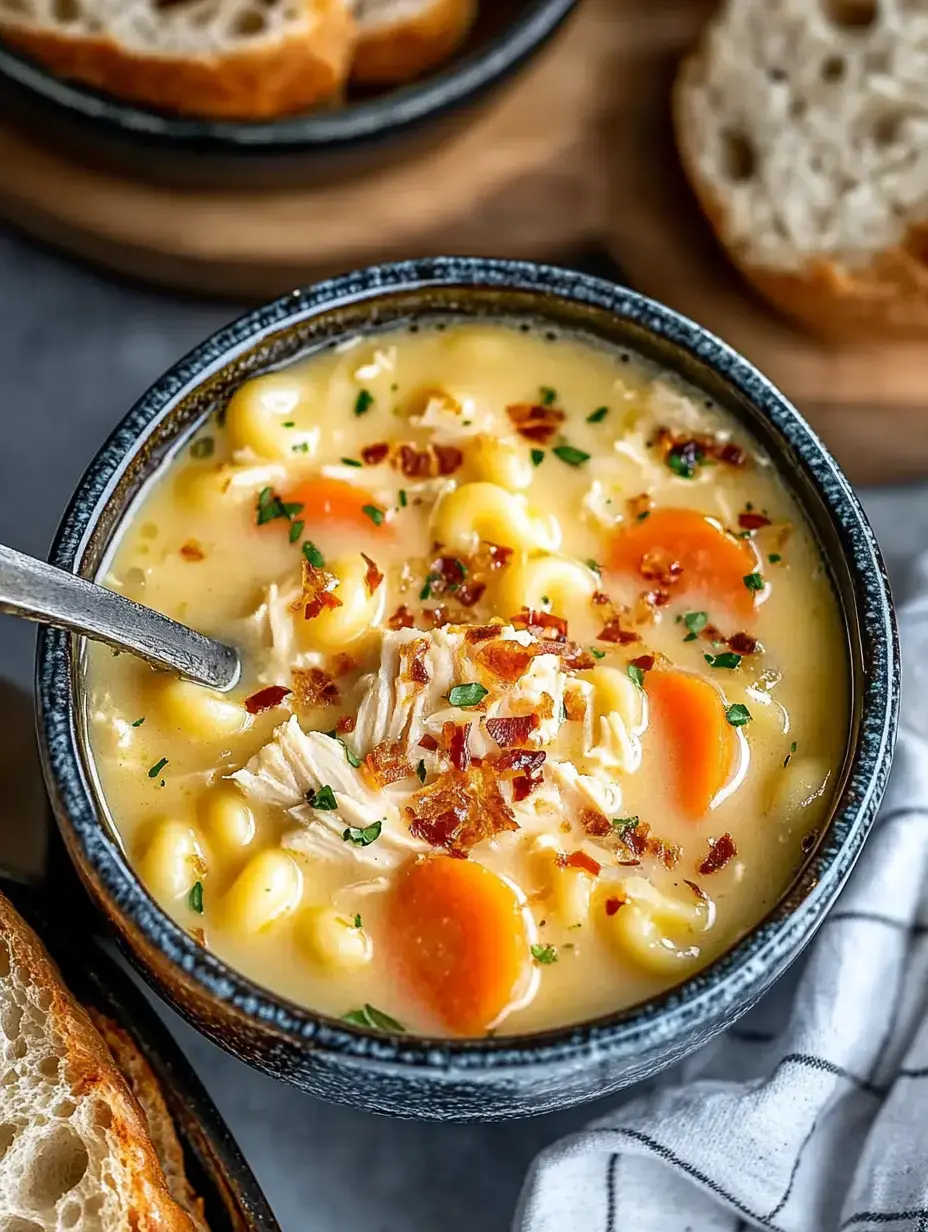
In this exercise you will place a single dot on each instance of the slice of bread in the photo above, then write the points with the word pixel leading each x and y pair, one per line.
pixel 75 1151
pixel 232 59
pixel 401 39
pixel 803 127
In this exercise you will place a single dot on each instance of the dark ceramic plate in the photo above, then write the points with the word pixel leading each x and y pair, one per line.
pixel 366 133
pixel 232 1197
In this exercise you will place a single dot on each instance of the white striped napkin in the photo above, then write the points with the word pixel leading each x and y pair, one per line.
pixel 811 1115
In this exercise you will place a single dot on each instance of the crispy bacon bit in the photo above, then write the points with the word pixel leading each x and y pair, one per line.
pixel 437 617
pixel 317 587
pixel 428 462
pixel 373 577
pixel 697 890
pixel 595 823
pixel 613 632
pixel 471 592
pixel 721 850
pixel 639 505
pixel 752 521
pixel 428 742
pixel 659 565
pixel 613 904
pixel 266 699
pixel 372 455
pixel 541 624
pixel 460 809
pixel 507 661
pixel 742 643
pixel 529 760
pixel 640 842
pixel 412 662
pixel 313 687
pixel 575 707
pixel 342 665
pixel 192 551
pixel 579 859
pixel 499 555
pixel 692 450
pixel 345 725
pixel 574 658
pixel 600 598
pixel 402 618
pixel 535 422
pixel 448 458
pixel 481 633
pixel 731 454
pixel 387 763
pixel 513 731
pixel 456 740
pixel 644 662
pixel 522 787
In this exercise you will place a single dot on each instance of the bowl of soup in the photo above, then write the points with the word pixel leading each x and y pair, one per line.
pixel 569 688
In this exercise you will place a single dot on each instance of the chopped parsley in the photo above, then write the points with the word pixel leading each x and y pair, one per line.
pixel 403 498
pixel 467 695
pixel 598 415
pixel 544 954
pixel 645 513
pixel 157 768
pixel 547 395
pixel 537 456
pixel 792 750
pixel 738 715
pixel 350 756
pixel 375 514
pixel 323 799
pixel 289 423
pixel 753 581
pixel 374 1019
pixel 270 506
pixel 426 591
pixel 573 457
pixel 726 659
pixel 139 722
pixel 363 836
pixel 545 601
pixel 597 654
pixel 695 623
pixel 363 402
pixel 351 462
pixel 195 897
pixel 595 566
pixel 203 448
pixel 300 447
pixel 313 555
pixel 420 770
pixel 636 674
pixel 684 460
pixel 357 919
pixel 624 826
pixel 296 529
pixel 774 558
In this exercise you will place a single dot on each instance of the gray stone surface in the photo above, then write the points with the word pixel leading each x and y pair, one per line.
pixel 75 350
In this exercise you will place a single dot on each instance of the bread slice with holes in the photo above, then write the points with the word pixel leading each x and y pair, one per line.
pixel 228 59
pixel 402 39
pixel 803 128
pixel 75 1150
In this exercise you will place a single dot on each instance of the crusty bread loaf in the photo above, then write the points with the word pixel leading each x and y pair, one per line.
pixel 803 127
pixel 401 39
pixel 245 59
pixel 75 1152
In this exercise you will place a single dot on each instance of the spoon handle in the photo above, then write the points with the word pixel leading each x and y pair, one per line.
pixel 37 591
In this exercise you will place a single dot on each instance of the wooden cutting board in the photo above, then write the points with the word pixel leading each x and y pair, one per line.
pixel 577 155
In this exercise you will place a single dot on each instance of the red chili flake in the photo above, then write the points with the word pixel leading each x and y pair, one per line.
pixel 459 809
pixel 373 577
pixel 512 731
pixel 481 633
pixel 412 656
pixel 428 742
pixel 507 661
pixel 387 763
pixel 371 455
pixel 192 551
pixel 266 699
pixel 345 725
pixel 343 664
pixel 613 632
pixel 522 787
pixel 535 422
pixel 644 662
pixel 613 904
pixel 448 458
pixel 313 687
pixel 456 741
pixel 600 598
pixel 595 823
pixel 470 592
pixel 721 850
pixel 317 587
pixel 499 555
pixel 638 505
pixel 697 890
pixel 742 643
pixel 579 859
pixel 752 521
pixel 529 760
pixel 659 565
pixel 541 624
pixel 731 454
pixel 402 618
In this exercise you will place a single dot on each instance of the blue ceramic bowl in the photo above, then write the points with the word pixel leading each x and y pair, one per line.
pixel 499 1077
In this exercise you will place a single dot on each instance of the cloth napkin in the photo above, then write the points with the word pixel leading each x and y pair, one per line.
pixel 811 1114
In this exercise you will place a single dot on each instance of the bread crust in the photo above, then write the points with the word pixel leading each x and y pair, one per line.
pixel 150 1206
pixel 272 79
pixel 392 53
pixel 885 300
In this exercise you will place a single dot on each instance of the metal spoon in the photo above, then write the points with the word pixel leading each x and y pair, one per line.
pixel 37 591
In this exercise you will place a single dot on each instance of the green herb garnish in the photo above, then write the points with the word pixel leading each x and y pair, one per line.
pixel 403 498
pixel 726 659
pixel 157 768
pixel 537 456
pixel 426 591
pixel 573 457
pixel 635 674
pixel 420 770
pixel 467 694
pixel 350 756
pixel 375 514
pixel 363 402
pixel 544 954
pixel 313 555
pixel 296 529
pixel 597 654
pixel 595 566
pixel 548 395
pixel 373 1019
pixel 738 715
pixel 195 897
pixel 363 837
pixel 695 623
pixel 203 448
pixel 598 415
pixel 139 722
pixel 753 581
pixel 289 423
pixel 300 447
pixel 624 826
pixel 323 799
pixel 351 462
pixel 645 513
pixel 774 558
pixel 792 750
pixel 270 506
pixel 357 919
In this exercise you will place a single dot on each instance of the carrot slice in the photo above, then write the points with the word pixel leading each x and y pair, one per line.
pixel 459 935
pixel 702 744
pixel 694 551
pixel 336 500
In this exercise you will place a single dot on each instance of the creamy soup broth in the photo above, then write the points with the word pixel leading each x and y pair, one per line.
pixel 692 714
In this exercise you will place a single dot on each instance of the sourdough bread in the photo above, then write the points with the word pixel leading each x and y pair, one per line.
pixel 245 59
pixel 401 39
pixel 803 128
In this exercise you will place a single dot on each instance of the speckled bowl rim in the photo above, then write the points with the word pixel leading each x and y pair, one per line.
pixel 386 115
pixel 723 989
